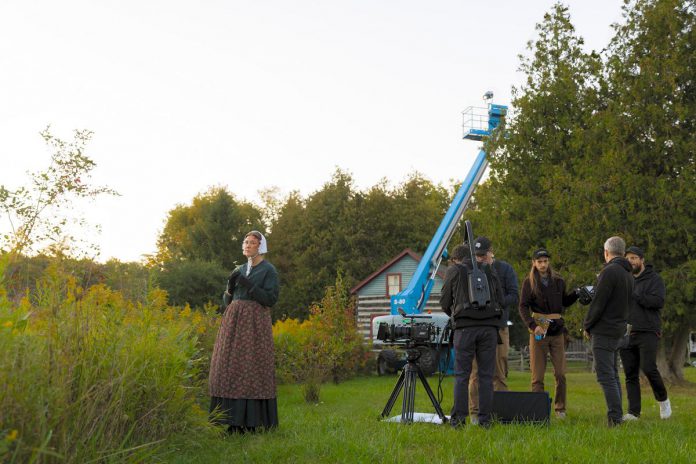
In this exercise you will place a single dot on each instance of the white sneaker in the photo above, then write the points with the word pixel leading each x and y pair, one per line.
pixel 560 415
pixel 665 409
pixel 474 420
pixel 629 417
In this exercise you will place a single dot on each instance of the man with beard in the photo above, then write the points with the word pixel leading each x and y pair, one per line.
pixel 645 330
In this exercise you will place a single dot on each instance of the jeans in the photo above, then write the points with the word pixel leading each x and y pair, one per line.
pixel 605 353
pixel 641 355
pixel 480 343
pixel 500 375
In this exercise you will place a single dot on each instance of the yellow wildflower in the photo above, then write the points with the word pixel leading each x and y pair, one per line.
pixel 12 436
pixel 7 324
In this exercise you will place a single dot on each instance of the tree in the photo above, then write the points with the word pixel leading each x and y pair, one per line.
pixel 311 238
pixel 211 229
pixel 599 148
pixel 193 282
pixel 339 229
pixel 651 119
pixel 538 154
pixel 34 213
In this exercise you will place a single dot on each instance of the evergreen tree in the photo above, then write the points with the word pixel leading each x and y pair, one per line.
pixel 210 229
pixel 651 153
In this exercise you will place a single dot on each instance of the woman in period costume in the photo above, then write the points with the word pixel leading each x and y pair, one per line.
pixel 242 368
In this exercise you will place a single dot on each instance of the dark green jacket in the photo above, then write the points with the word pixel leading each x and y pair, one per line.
pixel 265 288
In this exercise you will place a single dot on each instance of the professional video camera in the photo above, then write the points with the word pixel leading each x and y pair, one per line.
pixel 409 331
pixel 585 294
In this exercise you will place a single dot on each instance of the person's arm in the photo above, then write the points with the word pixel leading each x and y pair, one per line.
pixel 603 291
pixel 267 292
pixel 511 288
pixel 446 299
pixel 568 298
pixel 525 307
pixel 499 293
pixel 653 296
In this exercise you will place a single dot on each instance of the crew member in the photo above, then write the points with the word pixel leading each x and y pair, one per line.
pixel 483 251
pixel 542 303
pixel 475 334
pixel 644 335
pixel 605 323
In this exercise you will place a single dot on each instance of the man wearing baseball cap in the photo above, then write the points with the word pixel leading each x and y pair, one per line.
pixel 483 250
pixel 644 335
pixel 543 301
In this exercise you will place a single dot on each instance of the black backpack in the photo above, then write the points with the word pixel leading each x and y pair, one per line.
pixel 477 292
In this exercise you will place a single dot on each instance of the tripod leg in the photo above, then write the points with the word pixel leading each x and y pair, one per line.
pixel 394 394
pixel 408 405
pixel 438 409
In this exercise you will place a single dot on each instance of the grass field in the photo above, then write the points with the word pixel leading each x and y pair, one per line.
pixel 344 428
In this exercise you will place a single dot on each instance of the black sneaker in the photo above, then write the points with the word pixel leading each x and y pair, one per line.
pixel 614 422
pixel 456 423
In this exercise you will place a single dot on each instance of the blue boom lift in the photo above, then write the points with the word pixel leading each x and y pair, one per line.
pixel 478 124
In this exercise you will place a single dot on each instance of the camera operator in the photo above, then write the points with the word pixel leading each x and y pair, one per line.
pixel 483 250
pixel 475 334
pixel 644 334
pixel 605 323
pixel 542 303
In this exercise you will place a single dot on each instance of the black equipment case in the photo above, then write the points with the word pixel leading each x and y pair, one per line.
pixel 521 407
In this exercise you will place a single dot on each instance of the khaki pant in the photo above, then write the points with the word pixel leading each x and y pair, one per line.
pixel 538 351
pixel 500 376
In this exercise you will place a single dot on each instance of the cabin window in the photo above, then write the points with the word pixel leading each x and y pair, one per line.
pixel 393 284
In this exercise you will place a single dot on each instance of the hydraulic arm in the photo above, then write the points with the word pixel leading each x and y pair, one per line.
pixel 413 298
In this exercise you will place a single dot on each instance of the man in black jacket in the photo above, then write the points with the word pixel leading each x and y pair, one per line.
pixel 475 334
pixel 605 323
pixel 483 249
pixel 645 327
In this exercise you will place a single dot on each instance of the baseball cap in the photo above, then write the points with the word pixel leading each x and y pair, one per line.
pixel 541 253
pixel 482 245
pixel 635 250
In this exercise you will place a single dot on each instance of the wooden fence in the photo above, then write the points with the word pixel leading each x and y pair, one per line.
pixel 578 351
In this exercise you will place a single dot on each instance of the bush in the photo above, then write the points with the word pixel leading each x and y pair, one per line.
pixel 87 375
pixel 327 346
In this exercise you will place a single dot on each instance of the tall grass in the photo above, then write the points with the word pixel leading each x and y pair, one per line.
pixel 86 376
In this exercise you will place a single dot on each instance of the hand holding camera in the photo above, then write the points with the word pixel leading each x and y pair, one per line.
pixel 585 294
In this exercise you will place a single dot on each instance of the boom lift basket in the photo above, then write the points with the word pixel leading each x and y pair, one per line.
pixel 479 122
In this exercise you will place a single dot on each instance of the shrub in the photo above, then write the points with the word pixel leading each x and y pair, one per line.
pixel 327 346
pixel 86 375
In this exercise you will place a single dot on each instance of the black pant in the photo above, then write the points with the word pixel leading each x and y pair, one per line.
pixel 470 342
pixel 605 353
pixel 641 355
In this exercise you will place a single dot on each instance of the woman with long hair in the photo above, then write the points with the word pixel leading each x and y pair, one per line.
pixel 542 303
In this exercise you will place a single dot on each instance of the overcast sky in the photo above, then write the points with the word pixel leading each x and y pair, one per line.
pixel 186 95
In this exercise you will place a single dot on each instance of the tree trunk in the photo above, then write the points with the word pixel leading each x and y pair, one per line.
pixel 677 357
pixel 671 356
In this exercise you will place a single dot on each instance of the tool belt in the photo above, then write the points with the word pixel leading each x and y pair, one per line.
pixel 544 320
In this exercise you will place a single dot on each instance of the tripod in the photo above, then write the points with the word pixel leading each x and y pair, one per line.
pixel 407 381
